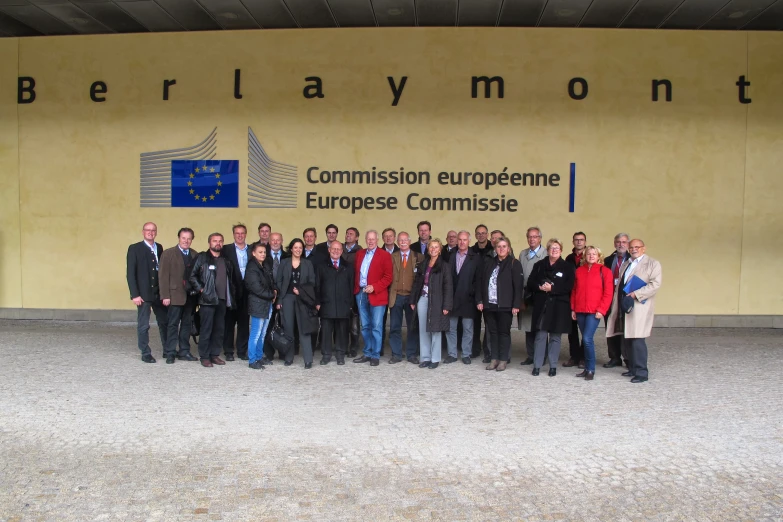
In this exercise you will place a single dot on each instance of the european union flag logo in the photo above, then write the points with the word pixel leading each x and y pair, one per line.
pixel 205 183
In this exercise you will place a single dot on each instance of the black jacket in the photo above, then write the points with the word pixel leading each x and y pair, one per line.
pixel 446 254
pixel 260 289
pixel 481 251
pixel 142 271
pixel 440 294
pixel 552 310
pixel 202 281
pixel 316 256
pixel 509 282
pixel 283 279
pixel 308 315
pixel 334 290
pixel 416 247
pixel 610 259
pixel 465 284
pixel 230 253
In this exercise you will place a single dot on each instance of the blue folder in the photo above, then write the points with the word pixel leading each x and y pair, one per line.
pixel 634 284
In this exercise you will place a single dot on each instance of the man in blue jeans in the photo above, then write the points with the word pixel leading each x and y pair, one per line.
pixel 404 262
pixel 373 275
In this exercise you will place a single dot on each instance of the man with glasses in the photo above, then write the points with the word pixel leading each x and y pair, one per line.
pixel 404 263
pixel 528 258
pixel 613 263
pixel 575 346
pixel 143 263
pixel 634 323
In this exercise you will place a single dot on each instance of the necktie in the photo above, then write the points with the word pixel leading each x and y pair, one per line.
pixel 405 260
pixel 276 262
pixel 334 262
pixel 617 263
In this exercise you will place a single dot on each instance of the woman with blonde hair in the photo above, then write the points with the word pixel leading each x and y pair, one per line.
pixel 590 301
pixel 433 296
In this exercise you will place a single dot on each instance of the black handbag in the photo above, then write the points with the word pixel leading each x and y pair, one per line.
pixel 279 339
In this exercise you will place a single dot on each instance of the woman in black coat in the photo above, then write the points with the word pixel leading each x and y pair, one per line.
pixel 501 299
pixel 296 280
pixel 433 296
pixel 260 288
pixel 550 282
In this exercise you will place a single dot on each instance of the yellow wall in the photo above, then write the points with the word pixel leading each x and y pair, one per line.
pixel 695 178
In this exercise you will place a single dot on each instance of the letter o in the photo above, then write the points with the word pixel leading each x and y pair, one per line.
pixel 571 88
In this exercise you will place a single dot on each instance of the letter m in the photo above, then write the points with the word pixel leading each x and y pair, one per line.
pixel 487 86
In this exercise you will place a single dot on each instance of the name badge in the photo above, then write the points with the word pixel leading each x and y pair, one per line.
pixel 427 288
pixel 559 274
pixel 616 280
pixel 414 269
pixel 212 267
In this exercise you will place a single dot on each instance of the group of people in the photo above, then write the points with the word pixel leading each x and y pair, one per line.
pixel 324 294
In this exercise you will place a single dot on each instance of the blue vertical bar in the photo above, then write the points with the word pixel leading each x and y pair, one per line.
pixel 572 189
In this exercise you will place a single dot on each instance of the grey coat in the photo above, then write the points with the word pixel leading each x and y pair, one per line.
pixel 440 294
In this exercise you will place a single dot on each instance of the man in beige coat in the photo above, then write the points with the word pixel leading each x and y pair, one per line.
pixel 637 325
pixel 527 258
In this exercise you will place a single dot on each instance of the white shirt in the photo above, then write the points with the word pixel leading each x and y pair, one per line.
pixel 631 268
pixel 532 253
pixel 154 248
pixel 241 258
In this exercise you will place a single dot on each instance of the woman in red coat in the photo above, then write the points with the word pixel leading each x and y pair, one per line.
pixel 590 301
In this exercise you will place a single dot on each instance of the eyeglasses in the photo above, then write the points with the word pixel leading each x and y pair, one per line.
pixel 635 247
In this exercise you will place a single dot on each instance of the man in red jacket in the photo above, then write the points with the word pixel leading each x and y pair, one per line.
pixel 374 272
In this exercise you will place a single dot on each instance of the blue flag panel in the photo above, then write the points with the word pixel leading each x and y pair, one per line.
pixel 205 183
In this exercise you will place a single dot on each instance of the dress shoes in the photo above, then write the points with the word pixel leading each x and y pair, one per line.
pixel 265 361
pixel 374 362
pixel 308 365
pixel 589 376
pixel 170 359
pixel 536 371
pixel 186 357
pixel 628 374
pixel 501 367
pixel 352 353
pixel 361 359
pixel 582 374
pixel 148 358
pixel 581 365
pixel 552 372
pixel 449 360
pixel 394 360
pixel 256 365
pixel 244 357
pixel 637 380
pixel 487 360
pixel 340 362
pixel 432 366
pixel 325 361
pixel 217 360
pixel 424 364
pixel 206 363
pixel 613 363
pixel 288 363
pixel 569 363
pixel 413 360
pixel 527 361
pixel 229 357
pixel 466 360
pixel 493 364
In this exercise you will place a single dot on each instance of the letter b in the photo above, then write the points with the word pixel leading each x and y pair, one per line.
pixel 26 86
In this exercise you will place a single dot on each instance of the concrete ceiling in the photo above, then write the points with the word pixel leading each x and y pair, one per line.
pixel 61 17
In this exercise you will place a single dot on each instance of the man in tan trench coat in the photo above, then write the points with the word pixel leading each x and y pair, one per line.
pixel 636 326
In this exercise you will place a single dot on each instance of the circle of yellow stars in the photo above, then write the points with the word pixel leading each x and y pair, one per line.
pixel 204 170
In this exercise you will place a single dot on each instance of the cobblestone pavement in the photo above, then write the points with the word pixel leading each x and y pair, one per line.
pixel 89 432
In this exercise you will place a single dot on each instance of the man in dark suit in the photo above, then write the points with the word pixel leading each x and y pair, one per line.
pixel 175 266
pixel 274 257
pixel 450 246
pixel 334 297
pixel 350 248
pixel 143 261
pixel 425 229
pixel 613 263
pixel 264 233
pixel 237 254
pixel 311 251
pixel 388 236
pixel 466 270
pixel 331 237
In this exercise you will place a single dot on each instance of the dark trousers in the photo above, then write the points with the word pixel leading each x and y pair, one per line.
pixel 339 327
pixel 143 324
pixel 478 344
pixel 291 323
pixel 383 329
pixel 178 335
pixel 613 344
pixel 499 331
pixel 636 348
pixel 269 350
pixel 575 347
pixel 238 317
pixel 355 330
pixel 213 323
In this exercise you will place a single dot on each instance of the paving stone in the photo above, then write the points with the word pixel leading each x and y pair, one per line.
pixel 89 432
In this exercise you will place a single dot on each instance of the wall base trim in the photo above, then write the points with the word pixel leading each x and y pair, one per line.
pixel 661 321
